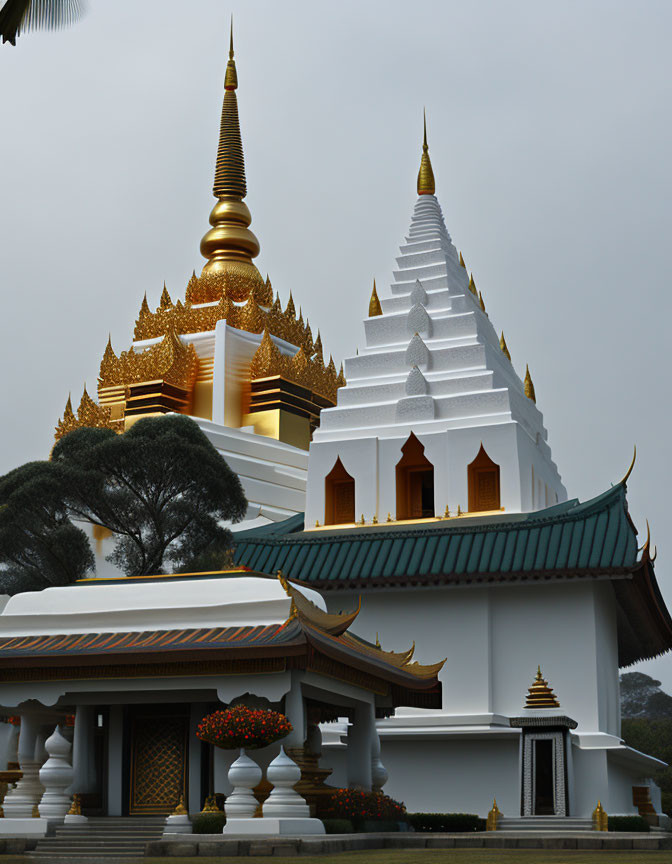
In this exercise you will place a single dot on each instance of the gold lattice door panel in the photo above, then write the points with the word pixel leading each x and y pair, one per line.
pixel 159 758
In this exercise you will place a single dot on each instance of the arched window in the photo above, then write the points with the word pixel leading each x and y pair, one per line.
pixel 483 476
pixel 415 482
pixel 339 496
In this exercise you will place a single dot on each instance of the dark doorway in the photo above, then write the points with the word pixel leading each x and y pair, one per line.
pixel 415 482
pixel 544 804
pixel 339 496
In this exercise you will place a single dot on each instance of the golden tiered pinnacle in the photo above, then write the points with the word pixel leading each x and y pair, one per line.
pixel 504 347
pixel 229 245
pixel 540 695
pixel 529 386
pixel 426 185
pixel 374 303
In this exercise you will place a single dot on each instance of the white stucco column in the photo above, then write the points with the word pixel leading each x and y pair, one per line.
pixel 19 802
pixel 379 775
pixel 196 714
pixel 295 711
pixel 83 758
pixel 360 743
pixel 115 741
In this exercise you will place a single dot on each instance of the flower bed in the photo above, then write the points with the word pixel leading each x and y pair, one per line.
pixel 251 728
pixel 364 807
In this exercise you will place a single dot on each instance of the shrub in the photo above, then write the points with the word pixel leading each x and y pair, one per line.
pixel 446 822
pixel 360 806
pixel 208 823
pixel 243 727
pixel 628 823
pixel 338 826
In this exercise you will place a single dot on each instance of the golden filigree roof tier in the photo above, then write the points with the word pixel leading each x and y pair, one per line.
pixel 308 371
pixel 192 317
pixel 88 414
pixel 170 360
pixel 540 694
pixel 426 185
pixel 229 245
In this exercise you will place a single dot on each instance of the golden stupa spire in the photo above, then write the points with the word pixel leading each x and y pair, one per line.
pixel 540 695
pixel 425 174
pixel 229 245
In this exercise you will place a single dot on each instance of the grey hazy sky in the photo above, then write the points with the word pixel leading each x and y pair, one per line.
pixel 550 135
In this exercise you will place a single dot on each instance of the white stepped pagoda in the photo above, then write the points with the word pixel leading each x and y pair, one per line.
pixel 432 404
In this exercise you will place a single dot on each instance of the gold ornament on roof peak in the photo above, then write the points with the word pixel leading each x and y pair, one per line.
pixel 374 303
pixel 540 695
pixel 481 301
pixel 472 285
pixel 462 264
pixel 504 346
pixel 529 386
pixel 229 245
pixel 426 185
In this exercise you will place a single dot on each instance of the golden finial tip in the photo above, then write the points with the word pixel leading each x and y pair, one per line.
pixel 426 185
pixel 231 39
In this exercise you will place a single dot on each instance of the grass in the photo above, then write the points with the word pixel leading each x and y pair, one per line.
pixel 428 856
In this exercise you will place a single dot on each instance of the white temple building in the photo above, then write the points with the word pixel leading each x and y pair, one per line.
pixel 414 487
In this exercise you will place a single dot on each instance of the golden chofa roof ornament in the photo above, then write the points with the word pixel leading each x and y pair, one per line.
pixel 504 347
pixel 540 695
pixel 229 245
pixel 529 386
pixel 374 303
pixel 426 185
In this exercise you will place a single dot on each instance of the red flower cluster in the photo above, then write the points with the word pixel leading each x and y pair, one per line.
pixel 14 719
pixel 355 804
pixel 70 720
pixel 243 727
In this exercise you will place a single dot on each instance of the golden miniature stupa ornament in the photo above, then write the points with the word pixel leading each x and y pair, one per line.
pixel 426 185
pixel 529 385
pixel 540 694
pixel 229 245
pixel 374 303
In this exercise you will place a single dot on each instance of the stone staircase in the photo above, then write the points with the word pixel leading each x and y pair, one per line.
pixel 110 837
pixel 555 824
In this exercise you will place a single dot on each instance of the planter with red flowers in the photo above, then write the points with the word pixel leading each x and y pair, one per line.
pixel 245 729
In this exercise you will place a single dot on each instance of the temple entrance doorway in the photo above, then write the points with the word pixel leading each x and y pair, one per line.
pixel 415 482
pixel 158 739
pixel 339 489
pixel 544 786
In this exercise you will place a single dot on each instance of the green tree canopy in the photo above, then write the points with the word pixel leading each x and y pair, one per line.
pixel 161 488
pixel 39 545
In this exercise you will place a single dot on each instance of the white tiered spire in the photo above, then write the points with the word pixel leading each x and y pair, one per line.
pixel 433 366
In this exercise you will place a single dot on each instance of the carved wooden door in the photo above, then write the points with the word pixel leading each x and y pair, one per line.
pixel 158 762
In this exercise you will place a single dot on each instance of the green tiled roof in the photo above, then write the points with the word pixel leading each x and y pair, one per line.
pixel 570 540
pixel 595 536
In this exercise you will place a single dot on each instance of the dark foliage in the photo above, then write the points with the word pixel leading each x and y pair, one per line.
pixel 641 696
pixel 450 823
pixel 338 826
pixel 208 823
pixel 655 738
pixel 647 725
pixel 161 488
pixel 39 545
pixel 628 823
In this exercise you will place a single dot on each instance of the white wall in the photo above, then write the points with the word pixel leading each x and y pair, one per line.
pixel 494 638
